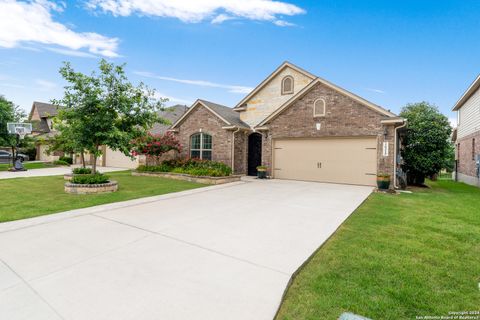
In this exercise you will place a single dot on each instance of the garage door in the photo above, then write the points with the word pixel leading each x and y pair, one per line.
pixel 118 160
pixel 337 160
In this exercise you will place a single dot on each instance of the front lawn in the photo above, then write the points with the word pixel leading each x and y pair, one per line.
pixel 396 257
pixel 28 165
pixel 29 197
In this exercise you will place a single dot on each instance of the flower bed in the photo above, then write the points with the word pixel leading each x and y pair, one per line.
pixel 194 167
pixel 195 170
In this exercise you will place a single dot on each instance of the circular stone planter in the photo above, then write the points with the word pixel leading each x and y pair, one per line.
pixel 75 188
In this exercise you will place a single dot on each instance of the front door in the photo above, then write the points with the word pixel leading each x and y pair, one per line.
pixel 254 153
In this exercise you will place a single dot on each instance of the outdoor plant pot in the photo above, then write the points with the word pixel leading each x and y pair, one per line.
pixel 383 181
pixel 261 172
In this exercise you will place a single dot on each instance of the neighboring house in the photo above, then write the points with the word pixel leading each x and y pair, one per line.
pixel 300 126
pixel 117 159
pixel 42 115
pixel 467 135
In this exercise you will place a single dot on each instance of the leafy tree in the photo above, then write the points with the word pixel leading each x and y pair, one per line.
pixel 427 147
pixel 105 109
pixel 9 112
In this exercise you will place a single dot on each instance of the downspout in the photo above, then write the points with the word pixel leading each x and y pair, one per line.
pixel 395 154
pixel 233 150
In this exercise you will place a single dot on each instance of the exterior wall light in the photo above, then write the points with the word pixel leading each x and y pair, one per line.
pixel 318 125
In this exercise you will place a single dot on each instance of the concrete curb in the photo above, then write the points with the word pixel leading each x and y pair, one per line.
pixel 53 217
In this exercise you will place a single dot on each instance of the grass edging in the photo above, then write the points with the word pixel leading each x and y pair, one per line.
pixel 303 265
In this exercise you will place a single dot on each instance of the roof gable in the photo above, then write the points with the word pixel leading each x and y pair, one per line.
pixel 305 90
pixel 226 114
pixel 470 91
pixel 44 110
pixel 284 65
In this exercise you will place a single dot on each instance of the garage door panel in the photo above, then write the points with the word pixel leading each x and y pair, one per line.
pixel 346 160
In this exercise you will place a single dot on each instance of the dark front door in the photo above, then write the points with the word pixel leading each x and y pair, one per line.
pixel 254 153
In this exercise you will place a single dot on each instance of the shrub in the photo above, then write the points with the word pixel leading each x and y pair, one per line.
pixel 82 171
pixel 156 145
pixel 60 163
pixel 97 178
pixel 68 160
pixel 194 167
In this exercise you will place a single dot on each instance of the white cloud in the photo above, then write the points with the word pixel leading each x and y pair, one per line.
pixel 376 90
pixel 221 18
pixel 72 53
pixel 32 21
pixel 193 11
pixel 202 83
pixel 45 85
pixel 283 23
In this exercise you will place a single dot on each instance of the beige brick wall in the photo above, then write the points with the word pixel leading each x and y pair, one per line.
pixel 270 97
pixel 344 117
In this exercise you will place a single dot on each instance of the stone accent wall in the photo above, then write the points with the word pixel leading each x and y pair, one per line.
pixel 344 117
pixel 270 97
pixel 466 163
pixel 201 119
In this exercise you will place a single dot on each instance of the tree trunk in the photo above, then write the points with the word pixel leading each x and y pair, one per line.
pixel 82 157
pixel 94 164
pixel 13 156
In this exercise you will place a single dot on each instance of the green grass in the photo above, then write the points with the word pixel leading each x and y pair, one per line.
pixel 28 165
pixel 396 257
pixel 29 197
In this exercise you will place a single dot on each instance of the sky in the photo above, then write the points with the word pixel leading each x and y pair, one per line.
pixel 391 52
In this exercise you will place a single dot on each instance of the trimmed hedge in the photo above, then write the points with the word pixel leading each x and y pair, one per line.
pixel 68 160
pixel 194 167
pixel 97 178
pixel 82 171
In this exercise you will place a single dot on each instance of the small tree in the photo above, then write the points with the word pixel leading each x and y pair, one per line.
pixel 156 145
pixel 427 147
pixel 67 139
pixel 106 109
pixel 9 112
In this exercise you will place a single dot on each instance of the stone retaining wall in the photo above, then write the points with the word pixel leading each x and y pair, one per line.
pixel 187 177
pixel 110 186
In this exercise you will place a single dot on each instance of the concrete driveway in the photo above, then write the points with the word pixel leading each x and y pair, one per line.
pixel 55 171
pixel 224 252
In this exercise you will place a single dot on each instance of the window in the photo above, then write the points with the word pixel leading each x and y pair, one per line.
pixel 201 146
pixel 319 108
pixel 473 149
pixel 287 85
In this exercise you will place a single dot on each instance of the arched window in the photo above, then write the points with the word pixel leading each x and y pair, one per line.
pixel 319 108
pixel 201 146
pixel 287 85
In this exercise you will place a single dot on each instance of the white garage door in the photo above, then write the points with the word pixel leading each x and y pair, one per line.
pixel 118 160
pixel 337 160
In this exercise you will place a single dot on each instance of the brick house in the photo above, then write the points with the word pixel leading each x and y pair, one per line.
pixel 300 126
pixel 467 135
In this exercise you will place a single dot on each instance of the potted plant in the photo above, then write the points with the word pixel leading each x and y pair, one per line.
pixel 261 172
pixel 383 181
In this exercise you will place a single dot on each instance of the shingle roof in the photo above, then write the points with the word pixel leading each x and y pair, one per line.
pixel 171 114
pixel 45 110
pixel 226 113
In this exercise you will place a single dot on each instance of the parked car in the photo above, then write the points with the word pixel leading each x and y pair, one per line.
pixel 6 157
